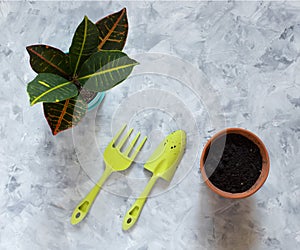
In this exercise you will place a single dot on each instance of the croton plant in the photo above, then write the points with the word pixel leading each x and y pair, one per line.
pixel 93 64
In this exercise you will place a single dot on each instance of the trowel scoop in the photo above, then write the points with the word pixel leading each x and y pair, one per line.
pixel 163 164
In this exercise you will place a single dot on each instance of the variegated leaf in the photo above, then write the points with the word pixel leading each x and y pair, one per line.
pixel 84 44
pixel 47 59
pixel 105 69
pixel 113 31
pixel 66 114
pixel 48 87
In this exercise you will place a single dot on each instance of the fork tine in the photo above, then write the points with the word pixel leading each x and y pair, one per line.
pixel 118 134
pixel 128 149
pixel 138 148
pixel 121 143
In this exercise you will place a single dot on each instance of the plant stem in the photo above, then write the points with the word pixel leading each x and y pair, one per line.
pixel 77 84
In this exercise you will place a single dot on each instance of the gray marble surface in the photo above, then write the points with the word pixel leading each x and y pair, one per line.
pixel 203 66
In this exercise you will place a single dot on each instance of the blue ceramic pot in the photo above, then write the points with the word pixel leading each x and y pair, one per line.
pixel 96 101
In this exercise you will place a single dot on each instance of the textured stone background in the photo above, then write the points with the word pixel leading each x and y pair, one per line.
pixel 249 54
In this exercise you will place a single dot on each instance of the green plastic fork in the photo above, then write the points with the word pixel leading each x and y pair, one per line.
pixel 115 160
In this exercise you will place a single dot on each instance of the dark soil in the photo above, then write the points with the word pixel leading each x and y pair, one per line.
pixel 87 95
pixel 233 163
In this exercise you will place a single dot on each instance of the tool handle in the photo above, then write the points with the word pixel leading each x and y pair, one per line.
pixel 134 212
pixel 84 206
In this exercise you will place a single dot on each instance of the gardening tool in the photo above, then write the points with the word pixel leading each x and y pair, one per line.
pixel 163 164
pixel 115 160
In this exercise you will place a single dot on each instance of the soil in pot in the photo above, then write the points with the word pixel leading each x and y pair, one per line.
pixel 233 163
pixel 87 95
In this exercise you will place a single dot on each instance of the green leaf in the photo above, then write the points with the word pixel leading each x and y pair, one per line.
pixel 105 69
pixel 113 31
pixel 65 114
pixel 84 44
pixel 46 59
pixel 48 87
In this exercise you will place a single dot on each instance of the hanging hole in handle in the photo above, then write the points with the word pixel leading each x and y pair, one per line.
pixel 129 220
pixel 77 215
pixel 84 206
pixel 134 211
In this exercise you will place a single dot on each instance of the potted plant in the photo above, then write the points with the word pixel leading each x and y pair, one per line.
pixel 68 83
pixel 234 163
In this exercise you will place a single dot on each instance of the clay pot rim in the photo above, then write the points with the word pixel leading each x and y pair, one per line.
pixel 265 163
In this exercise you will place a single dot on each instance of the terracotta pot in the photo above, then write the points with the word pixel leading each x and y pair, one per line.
pixel 265 163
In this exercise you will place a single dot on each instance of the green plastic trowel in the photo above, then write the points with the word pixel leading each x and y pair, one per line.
pixel 163 164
